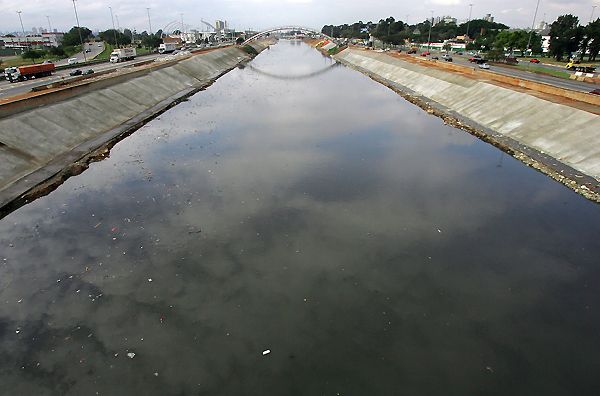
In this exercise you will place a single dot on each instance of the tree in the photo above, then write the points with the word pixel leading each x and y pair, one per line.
pixel 151 41
pixel 71 38
pixel 592 32
pixel 57 51
pixel 477 26
pixel 33 54
pixel 565 36
pixel 109 37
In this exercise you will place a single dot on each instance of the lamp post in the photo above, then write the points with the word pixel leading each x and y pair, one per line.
pixel 537 6
pixel 79 29
pixel 49 24
pixel 592 16
pixel 22 28
pixel 429 37
pixel 113 24
pixel 469 20
pixel 149 23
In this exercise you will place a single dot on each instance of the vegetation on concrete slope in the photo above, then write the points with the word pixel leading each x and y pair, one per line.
pixel 250 50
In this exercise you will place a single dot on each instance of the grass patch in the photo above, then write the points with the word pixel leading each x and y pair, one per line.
pixel 105 55
pixel 544 70
pixel 249 50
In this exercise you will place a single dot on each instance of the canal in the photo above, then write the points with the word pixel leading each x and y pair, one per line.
pixel 298 229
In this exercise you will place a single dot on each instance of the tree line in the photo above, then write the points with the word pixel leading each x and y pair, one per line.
pixel 567 36
pixel 71 42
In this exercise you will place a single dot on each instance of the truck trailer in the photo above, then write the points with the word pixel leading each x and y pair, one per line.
pixel 166 48
pixel 22 73
pixel 122 55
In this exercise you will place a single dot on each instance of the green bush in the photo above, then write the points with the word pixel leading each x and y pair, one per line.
pixel 250 50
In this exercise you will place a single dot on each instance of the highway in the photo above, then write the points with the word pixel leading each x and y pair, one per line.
pixel 94 49
pixel 519 73
pixel 8 89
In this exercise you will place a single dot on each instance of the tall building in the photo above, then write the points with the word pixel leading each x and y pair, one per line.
pixel 488 18
pixel 219 25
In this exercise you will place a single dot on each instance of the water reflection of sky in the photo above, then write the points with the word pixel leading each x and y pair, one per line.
pixel 371 248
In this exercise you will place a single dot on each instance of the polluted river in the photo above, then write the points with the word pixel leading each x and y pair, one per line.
pixel 299 229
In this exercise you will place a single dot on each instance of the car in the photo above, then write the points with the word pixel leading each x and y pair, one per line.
pixel 447 57
pixel 88 50
pixel 435 57
pixel 534 60
pixel 72 61
pixel 474 58
pixel 426 53
pixel 99 45
pixel 459 53
pixel 76 73
pixel 411 51
pixel 484 66
pixel 595 91
pixel 89 71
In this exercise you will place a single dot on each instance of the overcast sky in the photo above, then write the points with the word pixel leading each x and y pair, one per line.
pixel 260 14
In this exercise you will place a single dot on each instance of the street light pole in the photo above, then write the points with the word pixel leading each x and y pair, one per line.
pixel 429 38
pixel 22 28
pixel 469 20
pixel 114 30
pixel 79 29
pixel 49 24
pixel 592 16
pixel 537 6
pixel 149 23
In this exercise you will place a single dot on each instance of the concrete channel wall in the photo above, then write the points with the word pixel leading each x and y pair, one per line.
pixel 67 124
pixel 567 134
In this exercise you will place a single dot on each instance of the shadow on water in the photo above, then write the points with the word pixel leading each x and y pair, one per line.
pixel 371 248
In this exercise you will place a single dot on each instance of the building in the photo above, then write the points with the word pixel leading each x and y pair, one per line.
pixel 488 18
pixel 219 26
pixel 545 40
pixel 39 40
pixel 543 25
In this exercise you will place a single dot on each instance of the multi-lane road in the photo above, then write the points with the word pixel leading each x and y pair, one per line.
pixel 8 89
pixel 525 75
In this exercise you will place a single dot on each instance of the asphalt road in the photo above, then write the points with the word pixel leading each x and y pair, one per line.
pixel 9 89
pixel 94 49
pixel 519 73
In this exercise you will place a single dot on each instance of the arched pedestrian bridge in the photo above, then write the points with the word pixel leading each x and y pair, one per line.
pixel 286 28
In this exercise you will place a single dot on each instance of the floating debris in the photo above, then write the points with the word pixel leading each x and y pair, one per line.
pixel 131 355
pixel 266 352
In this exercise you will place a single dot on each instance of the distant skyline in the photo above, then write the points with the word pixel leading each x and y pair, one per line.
pixel 261 14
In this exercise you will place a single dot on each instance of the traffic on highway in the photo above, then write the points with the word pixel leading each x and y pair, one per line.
pixel 471 60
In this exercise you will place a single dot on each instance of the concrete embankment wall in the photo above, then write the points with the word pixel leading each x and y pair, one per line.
pixel 66 124
pixel 565 133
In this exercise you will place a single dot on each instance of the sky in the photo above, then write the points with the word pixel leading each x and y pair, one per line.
pixel 262 14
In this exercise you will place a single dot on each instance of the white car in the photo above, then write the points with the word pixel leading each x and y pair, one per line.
pixel 484 66
pixel 72 61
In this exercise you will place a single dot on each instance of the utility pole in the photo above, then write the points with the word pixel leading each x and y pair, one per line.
pixel 49 24
pixel 79 29
pixel 149 23
pixel 118 24
pixel 429 38
pixel 469 20
pixel 537 6
pixel 113 24
pixel 592 16
pixel 22 28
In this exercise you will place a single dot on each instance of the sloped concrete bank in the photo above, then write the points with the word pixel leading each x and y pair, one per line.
pixel 41 147
pixel 560 141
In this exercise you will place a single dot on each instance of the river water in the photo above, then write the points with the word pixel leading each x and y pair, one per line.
pixel 300 208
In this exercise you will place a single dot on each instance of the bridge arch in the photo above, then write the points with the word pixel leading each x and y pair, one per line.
pixel 282 28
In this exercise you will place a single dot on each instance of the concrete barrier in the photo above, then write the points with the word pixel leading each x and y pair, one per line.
pixel 565 133
pixel 37 131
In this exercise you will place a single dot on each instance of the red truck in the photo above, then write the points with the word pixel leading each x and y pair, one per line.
pixel 23 73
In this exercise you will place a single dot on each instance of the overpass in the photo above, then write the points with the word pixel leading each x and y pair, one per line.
pixel 286 28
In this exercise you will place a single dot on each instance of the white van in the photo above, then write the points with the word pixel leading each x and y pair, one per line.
pixel 72 61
